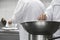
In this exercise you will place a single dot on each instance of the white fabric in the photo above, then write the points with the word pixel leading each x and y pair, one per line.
pixel 27 10
pixel 53 14
pixel 53 11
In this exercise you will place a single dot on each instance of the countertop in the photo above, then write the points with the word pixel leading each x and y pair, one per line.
pixel 9 30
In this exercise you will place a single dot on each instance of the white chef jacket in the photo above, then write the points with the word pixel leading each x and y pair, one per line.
pixel 53 11
pixel 53 14
pixel 27 10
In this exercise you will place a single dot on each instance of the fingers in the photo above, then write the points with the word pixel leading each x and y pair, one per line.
pixel 42 17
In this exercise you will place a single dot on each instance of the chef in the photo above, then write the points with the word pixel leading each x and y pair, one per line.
pixel 26 10
pixel 52 13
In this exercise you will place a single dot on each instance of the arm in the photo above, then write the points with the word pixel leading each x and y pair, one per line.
pixel 18 13
pixel 48 14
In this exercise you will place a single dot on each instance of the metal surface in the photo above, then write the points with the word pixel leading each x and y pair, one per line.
pixel 41 27
pixel 9 36
pixel 40 37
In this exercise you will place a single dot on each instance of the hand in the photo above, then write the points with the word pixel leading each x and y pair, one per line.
pixel 42 17
pixel 3 21
pixel 9 22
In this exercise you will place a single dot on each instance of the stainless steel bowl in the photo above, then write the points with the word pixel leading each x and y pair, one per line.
pixel 41 27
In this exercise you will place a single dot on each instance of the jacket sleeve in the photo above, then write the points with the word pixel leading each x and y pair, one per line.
pixel 18 12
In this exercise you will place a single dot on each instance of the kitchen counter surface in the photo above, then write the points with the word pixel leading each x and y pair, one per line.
pixel 9 34
pixel 9 31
